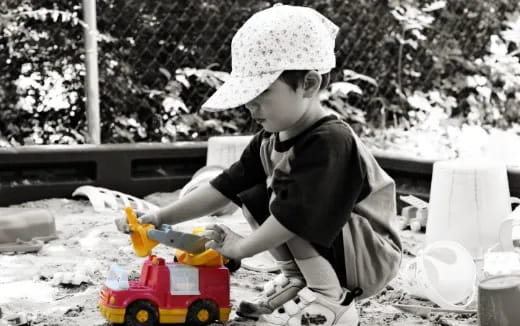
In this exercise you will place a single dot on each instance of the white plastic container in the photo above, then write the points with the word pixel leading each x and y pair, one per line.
pixel 509 234
pixel 445 273
pixel 25 229
pixel 225 150
pixel 469 199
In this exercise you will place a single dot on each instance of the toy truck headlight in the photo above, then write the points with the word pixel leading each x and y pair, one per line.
pixel 112 300
pixel 117 278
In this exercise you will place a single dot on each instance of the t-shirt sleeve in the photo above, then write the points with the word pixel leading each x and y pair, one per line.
pixel 315 198
pixel 243 174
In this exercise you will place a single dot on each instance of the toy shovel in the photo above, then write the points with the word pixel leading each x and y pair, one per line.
pixel 145 237
pixel 191 243
pixel 139 235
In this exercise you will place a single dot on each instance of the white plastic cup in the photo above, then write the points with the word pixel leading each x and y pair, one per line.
pixel 509 231
pixel 445 273
pixel 468 201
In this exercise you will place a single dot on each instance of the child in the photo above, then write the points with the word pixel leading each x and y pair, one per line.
pixel 314 196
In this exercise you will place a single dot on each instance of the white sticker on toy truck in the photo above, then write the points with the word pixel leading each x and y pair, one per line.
pixel 184 280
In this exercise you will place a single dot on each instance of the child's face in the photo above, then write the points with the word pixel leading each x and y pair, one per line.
pixel 279 107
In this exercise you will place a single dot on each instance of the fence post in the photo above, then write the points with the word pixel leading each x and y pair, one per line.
pixel 92 80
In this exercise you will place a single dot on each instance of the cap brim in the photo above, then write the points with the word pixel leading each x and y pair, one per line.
pixel 237 91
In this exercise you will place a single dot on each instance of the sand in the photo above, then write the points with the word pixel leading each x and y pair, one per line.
pixel 32 285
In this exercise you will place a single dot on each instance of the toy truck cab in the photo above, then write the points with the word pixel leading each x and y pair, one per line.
pixel 166 293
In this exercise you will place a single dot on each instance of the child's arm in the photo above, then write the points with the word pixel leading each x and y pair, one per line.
pixel 270 234
pixel 201 201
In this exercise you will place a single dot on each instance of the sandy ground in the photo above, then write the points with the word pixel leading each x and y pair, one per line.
pixel 89 243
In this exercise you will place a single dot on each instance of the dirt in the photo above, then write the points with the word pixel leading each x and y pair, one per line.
pixel 88 243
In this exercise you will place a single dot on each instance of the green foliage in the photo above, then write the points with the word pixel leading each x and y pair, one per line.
pixel 338 98
pixel 401 63
pixel 462 73
pixel 494 96
pixel 41 93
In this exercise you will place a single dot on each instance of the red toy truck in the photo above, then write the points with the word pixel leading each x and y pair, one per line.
pixel 166 293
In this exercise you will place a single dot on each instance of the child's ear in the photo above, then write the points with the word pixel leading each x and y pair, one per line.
pixel 311 83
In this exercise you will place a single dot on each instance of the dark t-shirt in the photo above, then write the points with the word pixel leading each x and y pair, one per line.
pixel 309 183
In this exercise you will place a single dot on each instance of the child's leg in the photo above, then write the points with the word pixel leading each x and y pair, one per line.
pixel 281 289
pixel 316 270
pixel 281 254
pixel 322 302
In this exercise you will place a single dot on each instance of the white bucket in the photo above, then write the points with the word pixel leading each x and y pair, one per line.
pixel 445 273
pixel 226 150
pixel 468 201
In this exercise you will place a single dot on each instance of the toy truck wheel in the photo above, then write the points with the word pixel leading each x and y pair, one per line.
pixel 141 313
pixel 202 312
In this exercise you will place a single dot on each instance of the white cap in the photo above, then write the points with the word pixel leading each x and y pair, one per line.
pixel 271 41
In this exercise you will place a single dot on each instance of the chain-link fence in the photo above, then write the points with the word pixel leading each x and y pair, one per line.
pixel 177 34
pixel 157 59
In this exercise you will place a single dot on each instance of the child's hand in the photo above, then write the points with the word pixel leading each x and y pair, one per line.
pixel 151 217
pixel 224 240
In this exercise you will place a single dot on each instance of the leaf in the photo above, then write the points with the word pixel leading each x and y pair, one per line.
pixel 434 6
pixel 181 78
pixel 395 108
pixel 230 125
pixel 412 18
pixel 209 77
pixel 476 81
pixel 420 36
pixel 345 88
pixel 419 101
pixel 166 73
pixel 174 104
pixel 398 14
pixel 170 128
pixel 497 46
pixel 324 95
pixel 124 133
pixel 141 131
pixel 55 15
pixel 352 75
pixel 173 88
pixel 356 114
pixel 513 33
pixel 342 110
pixel 501 95
pixel 410 42
pixel 154 92
pixel 336 103
pixel 485 92
pixel 412 73
pixel 214 124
